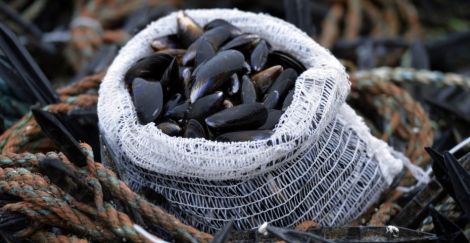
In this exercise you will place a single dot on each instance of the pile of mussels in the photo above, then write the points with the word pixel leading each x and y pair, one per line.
pixel 213 82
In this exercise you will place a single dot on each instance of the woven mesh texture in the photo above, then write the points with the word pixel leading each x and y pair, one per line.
pixel 321 163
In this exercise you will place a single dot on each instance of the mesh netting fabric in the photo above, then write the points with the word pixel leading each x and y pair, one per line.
pixel 321 163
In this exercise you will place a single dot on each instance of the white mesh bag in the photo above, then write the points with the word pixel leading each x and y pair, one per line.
pixel 320 164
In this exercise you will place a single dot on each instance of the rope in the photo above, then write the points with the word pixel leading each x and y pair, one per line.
pixel 413 125
pixel 402 75
pixel 48 204
pixel 91 27
pixel 48 237
pixel 403 117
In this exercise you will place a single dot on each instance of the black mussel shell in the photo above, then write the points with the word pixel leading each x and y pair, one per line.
pixel 170 128
pixel 206 106
pixel 188 30
pixel 215 72
pixel 209 90
pixel 148 99
pixel 259 56
pixel 220 22
pixel 288 100
pixel 234 84
pixel 204 52
pixel 273 119
pixel 243 136
pixel 178 112
pixel 271 100
pixel 194 129
pixel 170 80
pixel 175 100
pixel 246 68
pixel 243 42
pixel 191 52
pixel 217 36
pixel 285 60
pixel 240 117
pixel 150 67
pixel 284 82
pixel 248 95
pixel 264 79
pixel 187 76
pixel 176 53
pixel 165 42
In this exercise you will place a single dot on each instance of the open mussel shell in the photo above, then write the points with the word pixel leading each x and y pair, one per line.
pixel 259 56
pixel 188 30
pixel 285 60
pixel 215 72
pixel 148 99
pixel 264 79
pixel 150 67
pixel 206 106
pixel 240 117
pixel 194 129
pixel 242 136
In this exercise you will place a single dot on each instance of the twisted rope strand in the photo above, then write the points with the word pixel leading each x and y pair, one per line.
pixel 49 205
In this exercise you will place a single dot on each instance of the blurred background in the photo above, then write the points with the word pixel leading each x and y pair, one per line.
pixel 430 34
pixel 72 39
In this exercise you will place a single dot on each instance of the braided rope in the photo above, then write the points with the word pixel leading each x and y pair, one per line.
pixel 388 100
pixel 153 213
pixel 48 204
pixel 82 85
pixel 402 75
pixel 38 196
pixel 48 237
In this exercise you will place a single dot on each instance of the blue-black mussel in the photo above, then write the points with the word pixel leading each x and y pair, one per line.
pixel 213 82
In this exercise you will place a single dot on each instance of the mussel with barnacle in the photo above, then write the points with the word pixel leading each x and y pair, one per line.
pixel 214 82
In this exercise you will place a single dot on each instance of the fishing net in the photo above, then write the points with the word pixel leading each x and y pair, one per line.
pixel 320 164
